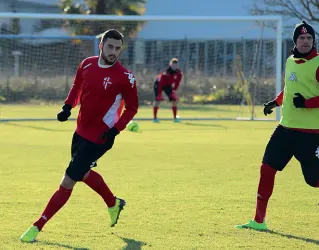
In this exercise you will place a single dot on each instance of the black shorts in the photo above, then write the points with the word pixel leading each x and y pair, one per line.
pixel 286 143
pixel 84 155
pixel 167 90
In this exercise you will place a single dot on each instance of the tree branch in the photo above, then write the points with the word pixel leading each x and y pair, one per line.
pixel 307 10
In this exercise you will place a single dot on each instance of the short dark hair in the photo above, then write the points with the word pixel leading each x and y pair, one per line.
pixel 113 34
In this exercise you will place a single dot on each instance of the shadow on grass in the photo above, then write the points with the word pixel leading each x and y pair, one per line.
pixel 180 126
pixel 22 125
pixel 202 108
pixel 59 245
pixel 289 236
pixel 204 125
pixel 132 244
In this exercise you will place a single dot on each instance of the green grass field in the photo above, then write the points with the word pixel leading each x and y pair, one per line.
pixel 186 111
pixel 186 186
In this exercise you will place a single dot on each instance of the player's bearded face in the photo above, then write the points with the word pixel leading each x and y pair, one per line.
pixel 304 43
pixel 111 50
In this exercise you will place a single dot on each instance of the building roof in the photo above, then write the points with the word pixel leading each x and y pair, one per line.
pixel 47 2
pixel 44 2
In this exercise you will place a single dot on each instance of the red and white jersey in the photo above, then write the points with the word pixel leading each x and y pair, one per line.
pixel 169 79
pixel 101 91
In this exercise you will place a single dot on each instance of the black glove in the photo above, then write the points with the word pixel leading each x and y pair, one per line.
pixel 299 101
pixel 110 137
pixel 110 134
pixel 65 113
pixel 269 106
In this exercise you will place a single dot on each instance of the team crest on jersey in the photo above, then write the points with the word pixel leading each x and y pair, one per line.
pixel 293 77
pixel 106 82
pixel 130 77
pixel 317 152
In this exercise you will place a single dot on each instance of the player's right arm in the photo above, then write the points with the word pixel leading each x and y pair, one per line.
pixel 279 98
pixel 76 90
pixel 73 96
pixel 274 103
pixel 159 80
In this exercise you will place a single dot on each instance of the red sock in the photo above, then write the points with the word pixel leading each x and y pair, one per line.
pixel 265 188
pixel 58 199
pixel 96 182
pixel 174 111
pixel 155 109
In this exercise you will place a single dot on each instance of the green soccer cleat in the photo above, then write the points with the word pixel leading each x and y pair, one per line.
pixel 116 210
pixel 252 224
pixel 30 234
pixel 177 119
pixel 156 120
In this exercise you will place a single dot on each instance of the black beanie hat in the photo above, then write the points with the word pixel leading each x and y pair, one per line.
pixel 303 28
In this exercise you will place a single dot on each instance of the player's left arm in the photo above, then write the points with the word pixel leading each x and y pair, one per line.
pixel 130 97
pixel 178 80
pixel 301 102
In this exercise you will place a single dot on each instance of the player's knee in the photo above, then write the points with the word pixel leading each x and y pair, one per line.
pixel 267 170
pixel 86 175
pixel 173 99
pixel 77 170
pixel 75 175
pixel 312 182
pixel 67 182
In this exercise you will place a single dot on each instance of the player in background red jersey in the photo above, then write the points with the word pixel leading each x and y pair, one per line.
pixel 167 81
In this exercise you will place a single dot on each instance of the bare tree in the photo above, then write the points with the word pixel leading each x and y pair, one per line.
pixel 307 10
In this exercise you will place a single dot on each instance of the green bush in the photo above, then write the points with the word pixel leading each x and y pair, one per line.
pixel 258 92
pixel 195 89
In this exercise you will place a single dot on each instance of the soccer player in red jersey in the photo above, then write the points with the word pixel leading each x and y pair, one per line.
pixel 167 81
pixel 101 85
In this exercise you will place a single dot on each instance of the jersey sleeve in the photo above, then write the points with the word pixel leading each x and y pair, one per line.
pixel 279 98
pixel 178 80
pixel 314 101
pixel 130 97
pixel 76 90
pixel 159 77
